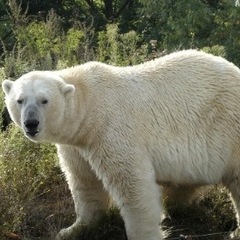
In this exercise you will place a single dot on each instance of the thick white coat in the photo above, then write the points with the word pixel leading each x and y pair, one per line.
pixel 124 130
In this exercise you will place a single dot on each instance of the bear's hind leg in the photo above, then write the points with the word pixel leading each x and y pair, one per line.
pixel 90 199
pixel 181 195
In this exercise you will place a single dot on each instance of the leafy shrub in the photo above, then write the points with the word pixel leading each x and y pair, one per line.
pixel 77 44
pixel 42 41
pixel 15 63
pixel 120 49
pixel 28 173
pixel 216 50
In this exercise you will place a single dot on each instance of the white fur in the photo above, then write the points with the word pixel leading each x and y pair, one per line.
pixel 172 121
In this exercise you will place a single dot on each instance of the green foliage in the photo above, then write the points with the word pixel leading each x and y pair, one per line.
pixel 51 41
pixel 46 45
pixel 120 49
pixel 215 50
pixel 192 24
pixel 76 44
pixel 73 41
pixel 25 169
pixel 16 62
pixel 41 40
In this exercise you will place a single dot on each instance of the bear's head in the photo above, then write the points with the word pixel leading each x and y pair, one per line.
pixel 37 103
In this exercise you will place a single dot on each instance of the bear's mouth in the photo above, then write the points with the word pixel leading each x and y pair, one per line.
pixel 32 133
pixel 31 127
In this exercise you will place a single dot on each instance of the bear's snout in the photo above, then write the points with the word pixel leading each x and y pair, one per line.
pixel 31 126
pixel 31 120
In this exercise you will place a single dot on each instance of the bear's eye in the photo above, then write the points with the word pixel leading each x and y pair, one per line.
pixel 19 101
pixel 45 101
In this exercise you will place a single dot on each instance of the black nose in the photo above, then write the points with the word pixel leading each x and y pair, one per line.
pixel 31 126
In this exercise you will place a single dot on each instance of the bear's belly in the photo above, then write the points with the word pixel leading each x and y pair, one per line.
pixel 189 164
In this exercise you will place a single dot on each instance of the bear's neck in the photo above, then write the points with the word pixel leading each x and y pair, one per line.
pixel 80 117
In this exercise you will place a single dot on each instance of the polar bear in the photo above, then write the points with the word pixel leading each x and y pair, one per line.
pixel 123 131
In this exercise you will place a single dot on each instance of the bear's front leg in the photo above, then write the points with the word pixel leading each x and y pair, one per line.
pixel 141 210
pixel 133 186
pixel 89 197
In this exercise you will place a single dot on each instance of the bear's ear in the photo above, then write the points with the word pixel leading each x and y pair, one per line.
pixel 6 86
pixel 68 89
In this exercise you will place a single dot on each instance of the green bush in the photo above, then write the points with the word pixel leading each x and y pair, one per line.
pixel 215 50
pixel 120 49
pixel 77 45
pixel 27 171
